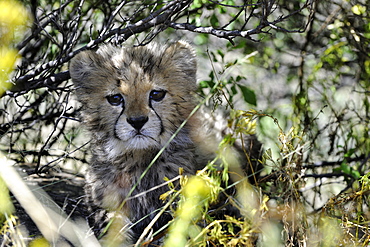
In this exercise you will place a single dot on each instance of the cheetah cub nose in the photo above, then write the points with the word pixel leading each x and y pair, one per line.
pixel 137 122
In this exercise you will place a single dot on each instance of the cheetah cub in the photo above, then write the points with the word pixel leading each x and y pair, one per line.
pixel 133 101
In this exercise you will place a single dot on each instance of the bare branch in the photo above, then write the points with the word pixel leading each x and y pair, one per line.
pixel 216 32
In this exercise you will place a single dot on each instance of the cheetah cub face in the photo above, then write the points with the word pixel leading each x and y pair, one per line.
pixel 135 98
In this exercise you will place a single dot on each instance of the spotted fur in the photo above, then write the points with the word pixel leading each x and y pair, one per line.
pixel 133 100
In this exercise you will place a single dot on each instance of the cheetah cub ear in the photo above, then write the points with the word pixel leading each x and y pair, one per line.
pixel 182 55
pixel 81 64
pixel 86 63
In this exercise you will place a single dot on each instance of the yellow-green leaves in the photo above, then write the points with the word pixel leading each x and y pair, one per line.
pixel 358 9
pixel 6 206
pixel 195 192
pixel 13 17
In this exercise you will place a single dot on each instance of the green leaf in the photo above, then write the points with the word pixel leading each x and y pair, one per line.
pixel 233 90
pixel 206 84
pixel 347 169
pixel 248 95
pixel 214 21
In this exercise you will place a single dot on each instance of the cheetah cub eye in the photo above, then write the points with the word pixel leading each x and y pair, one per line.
pixel 115 99
pixel 157 95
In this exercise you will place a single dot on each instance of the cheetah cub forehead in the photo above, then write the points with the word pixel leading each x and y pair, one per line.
pixel 135 97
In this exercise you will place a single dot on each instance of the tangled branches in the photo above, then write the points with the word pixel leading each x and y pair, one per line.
pixel 38 111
